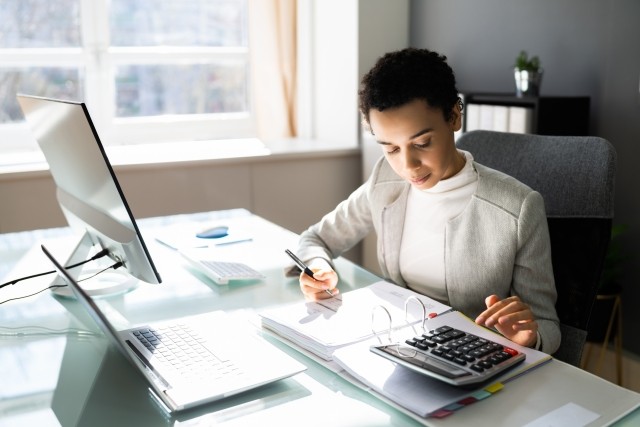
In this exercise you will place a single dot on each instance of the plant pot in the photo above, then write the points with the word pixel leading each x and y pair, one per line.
pixel 527 82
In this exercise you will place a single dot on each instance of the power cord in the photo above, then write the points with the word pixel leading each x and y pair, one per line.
pixel 114 266
pixel 98 255
pixel 29 331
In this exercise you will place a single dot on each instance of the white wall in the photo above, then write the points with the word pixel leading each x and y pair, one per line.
pixel 277 187
pixel 382 28
pixel 347 37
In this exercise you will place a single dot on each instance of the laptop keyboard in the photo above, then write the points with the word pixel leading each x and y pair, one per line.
pixel 180 348
pixel 452 355
pixel 225 271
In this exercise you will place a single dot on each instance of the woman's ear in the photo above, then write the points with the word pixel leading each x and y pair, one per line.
pixel 456 117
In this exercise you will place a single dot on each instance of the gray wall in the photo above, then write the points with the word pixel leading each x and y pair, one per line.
pixel 587 47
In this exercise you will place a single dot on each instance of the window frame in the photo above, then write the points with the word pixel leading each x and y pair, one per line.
pixel 97 62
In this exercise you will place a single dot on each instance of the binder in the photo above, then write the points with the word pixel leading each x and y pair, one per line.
pixel 339 333
pixel 421 395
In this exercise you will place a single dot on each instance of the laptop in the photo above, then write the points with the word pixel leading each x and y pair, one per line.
pixel 216 364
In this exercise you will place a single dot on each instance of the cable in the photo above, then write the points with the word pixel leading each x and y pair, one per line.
pixel 100 254
pixel 37 330
pixel 35 293
pixel 114 266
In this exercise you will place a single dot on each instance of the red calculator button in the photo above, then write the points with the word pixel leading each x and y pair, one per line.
pixel 511 351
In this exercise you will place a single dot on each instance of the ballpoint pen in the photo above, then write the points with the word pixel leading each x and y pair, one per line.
pixel 302 266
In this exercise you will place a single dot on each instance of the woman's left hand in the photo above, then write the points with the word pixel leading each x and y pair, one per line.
pixel 512 318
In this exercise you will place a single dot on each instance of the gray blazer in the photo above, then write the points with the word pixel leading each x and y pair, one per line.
pixel 498 245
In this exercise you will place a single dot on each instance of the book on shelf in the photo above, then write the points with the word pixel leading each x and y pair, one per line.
pixel 340 333
pixel 514 119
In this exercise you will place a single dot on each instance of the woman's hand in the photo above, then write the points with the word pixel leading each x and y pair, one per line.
pixel 512 318
pixel 324 279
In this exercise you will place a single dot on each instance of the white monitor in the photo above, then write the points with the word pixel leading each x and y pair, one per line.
pixel 88 191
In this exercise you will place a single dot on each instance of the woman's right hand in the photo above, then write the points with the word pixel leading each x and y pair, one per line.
pixel 324 279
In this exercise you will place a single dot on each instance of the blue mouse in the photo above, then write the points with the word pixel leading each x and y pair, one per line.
pixel 214 232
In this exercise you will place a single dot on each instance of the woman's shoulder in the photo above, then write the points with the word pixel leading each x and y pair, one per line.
pixel 502 190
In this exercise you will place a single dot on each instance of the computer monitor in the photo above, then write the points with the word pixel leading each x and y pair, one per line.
pixel 88 193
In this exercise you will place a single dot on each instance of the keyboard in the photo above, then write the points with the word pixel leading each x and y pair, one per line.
pixel 451 355
pixel 181 350
pixel 223 272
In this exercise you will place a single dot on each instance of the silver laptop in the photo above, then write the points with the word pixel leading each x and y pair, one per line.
pixel 193 360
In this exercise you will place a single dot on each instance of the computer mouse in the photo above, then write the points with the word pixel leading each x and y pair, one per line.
pixel 213 232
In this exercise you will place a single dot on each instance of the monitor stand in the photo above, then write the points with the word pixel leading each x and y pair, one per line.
pixel 108 283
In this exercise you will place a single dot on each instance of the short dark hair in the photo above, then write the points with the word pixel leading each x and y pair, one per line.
pixel 405 75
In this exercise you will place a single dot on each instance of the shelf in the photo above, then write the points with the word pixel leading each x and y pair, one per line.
pixel 545 115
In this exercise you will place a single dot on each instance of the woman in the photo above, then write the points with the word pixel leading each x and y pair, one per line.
pixel 448 227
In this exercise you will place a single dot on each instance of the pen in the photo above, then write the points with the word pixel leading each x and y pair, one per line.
pixel 302 266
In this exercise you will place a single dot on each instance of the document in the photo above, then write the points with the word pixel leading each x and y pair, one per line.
pixel 324 326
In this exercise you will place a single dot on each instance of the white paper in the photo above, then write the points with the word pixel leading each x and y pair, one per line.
pixel 351 317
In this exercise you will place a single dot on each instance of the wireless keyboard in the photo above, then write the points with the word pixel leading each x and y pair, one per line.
pixel 452 356
pixel 223 272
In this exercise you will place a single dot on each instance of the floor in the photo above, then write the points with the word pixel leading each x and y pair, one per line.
pixel 630 366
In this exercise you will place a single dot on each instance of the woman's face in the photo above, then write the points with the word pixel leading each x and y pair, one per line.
pixel 418 142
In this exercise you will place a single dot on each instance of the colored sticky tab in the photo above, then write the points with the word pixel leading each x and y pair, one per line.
pixel 494 388
pixel 474 397
pixel 441 413
pixel 481 394
pixel 453 407
pixel 468 401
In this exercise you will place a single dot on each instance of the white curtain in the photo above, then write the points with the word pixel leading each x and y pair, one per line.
pixel 272 38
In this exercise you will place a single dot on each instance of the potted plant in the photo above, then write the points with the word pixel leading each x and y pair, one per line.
pixel 528 75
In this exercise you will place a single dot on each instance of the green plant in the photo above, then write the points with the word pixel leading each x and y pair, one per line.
pixel 524 63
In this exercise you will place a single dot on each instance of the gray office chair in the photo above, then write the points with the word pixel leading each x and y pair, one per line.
pixel 575 176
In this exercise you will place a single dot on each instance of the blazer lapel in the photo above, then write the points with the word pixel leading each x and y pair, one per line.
pixel 392 226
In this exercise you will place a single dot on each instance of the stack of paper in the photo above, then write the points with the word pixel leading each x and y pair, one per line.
pixel 376 310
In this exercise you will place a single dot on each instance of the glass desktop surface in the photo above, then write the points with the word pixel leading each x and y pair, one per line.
pixel 68 375
pixel 87 382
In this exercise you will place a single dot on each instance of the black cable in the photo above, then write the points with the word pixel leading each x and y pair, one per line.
pixel 114 266
pixel 100 254
pixel 35 293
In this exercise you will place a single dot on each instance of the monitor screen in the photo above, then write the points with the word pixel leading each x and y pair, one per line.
pixel 87 189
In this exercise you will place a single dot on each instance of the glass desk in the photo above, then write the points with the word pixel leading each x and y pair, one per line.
pixel 57 369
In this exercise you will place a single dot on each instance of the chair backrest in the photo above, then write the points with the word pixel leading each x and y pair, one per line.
pixel 575 176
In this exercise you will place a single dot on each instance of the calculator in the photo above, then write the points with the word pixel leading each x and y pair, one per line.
pixel 452 355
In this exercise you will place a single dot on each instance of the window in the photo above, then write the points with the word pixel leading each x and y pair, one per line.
pixel 149 70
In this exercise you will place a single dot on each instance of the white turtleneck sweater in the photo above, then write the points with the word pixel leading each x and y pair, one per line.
pixel 422 247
